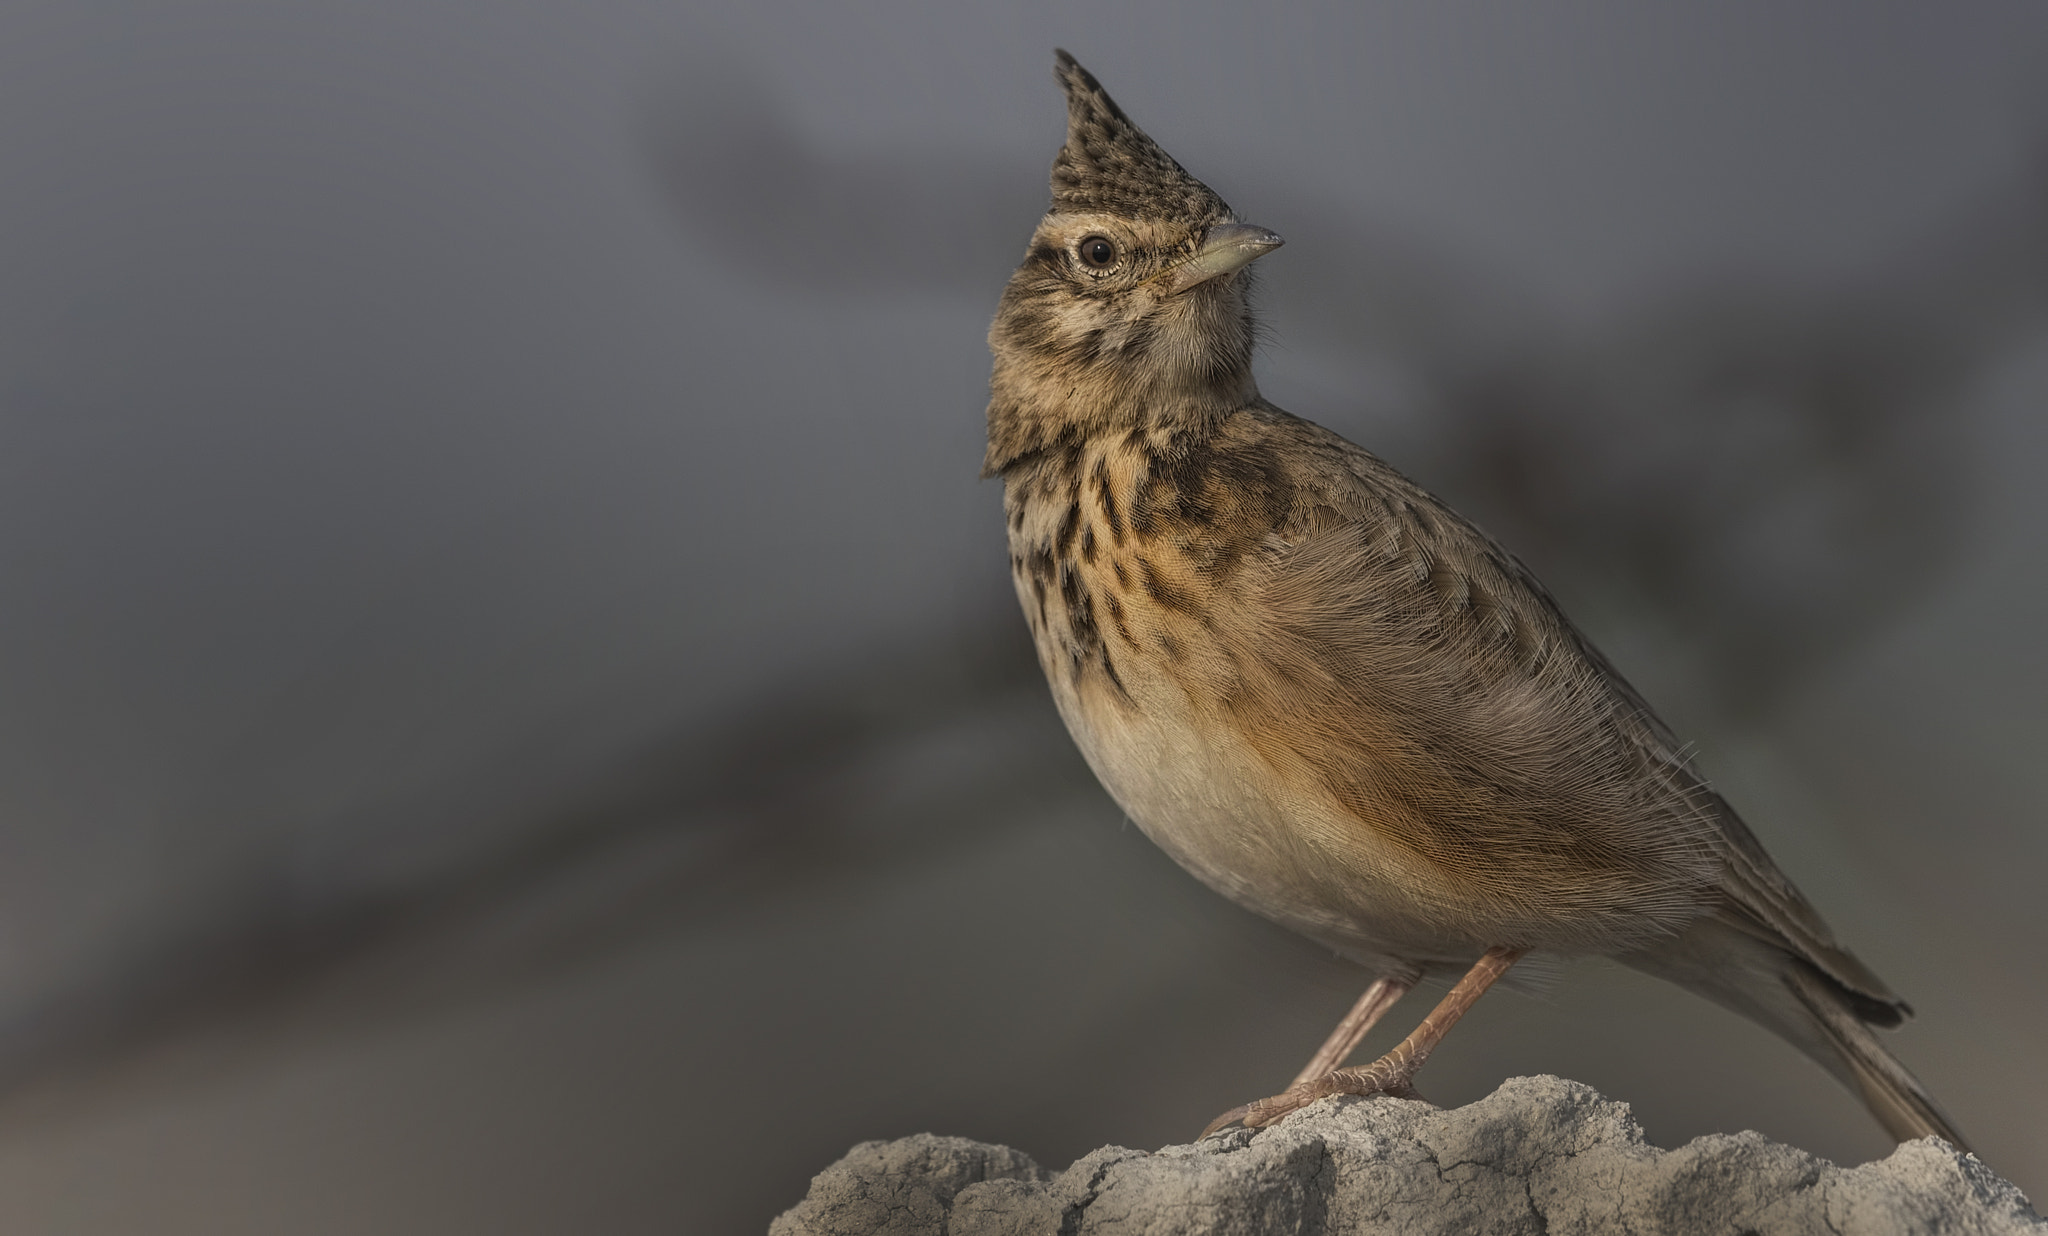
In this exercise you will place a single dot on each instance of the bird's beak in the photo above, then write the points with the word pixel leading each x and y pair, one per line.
pixel 1227 247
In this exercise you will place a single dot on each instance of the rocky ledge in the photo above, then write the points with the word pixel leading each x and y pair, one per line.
pixel 1540 1154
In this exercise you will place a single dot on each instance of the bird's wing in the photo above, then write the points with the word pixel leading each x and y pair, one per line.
pixel 1427 680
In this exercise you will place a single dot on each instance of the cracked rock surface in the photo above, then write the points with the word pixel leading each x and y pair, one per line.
pixel 1540 1154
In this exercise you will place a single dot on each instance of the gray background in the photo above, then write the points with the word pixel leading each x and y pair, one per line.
pixel 511 715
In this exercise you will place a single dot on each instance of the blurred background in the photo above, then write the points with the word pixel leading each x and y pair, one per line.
pixel 512 715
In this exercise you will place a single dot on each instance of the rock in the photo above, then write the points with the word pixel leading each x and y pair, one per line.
pixel 1538 1155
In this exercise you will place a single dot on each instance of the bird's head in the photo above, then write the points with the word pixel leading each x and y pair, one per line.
pixel 1131 303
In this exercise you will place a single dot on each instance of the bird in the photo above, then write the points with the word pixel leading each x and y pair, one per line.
pixel 1330 697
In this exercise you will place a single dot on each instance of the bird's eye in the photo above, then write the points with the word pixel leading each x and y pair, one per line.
pixel 1098 252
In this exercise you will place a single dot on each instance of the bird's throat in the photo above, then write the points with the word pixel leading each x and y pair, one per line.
pixel 1032 410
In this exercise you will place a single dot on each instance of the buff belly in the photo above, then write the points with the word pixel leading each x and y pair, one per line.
pixel 1208 801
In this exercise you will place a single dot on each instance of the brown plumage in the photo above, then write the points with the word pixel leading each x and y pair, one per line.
pixel 1325 693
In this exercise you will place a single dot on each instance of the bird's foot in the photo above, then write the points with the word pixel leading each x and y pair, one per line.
pixel 1386 1075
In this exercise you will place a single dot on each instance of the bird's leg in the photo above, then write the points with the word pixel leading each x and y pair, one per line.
pixel 1391 1073
pixel 1378 998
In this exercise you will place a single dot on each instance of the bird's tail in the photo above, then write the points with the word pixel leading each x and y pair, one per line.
pixel 1893 1095
pixel 1820 1015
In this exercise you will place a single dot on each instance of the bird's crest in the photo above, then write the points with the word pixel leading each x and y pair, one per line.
pixel 1108 164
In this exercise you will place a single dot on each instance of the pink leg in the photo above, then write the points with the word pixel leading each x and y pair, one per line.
pixel 1378 998
pixel 1393 1072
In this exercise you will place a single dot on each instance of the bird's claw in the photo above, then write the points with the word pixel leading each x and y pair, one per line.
pixel 1263 1113
pixel 1233 1116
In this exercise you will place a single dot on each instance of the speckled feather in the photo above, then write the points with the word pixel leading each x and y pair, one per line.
pixel 1109 164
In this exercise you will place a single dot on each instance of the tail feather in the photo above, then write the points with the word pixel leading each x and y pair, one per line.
pixel 1822 1017
pixel 1893 1095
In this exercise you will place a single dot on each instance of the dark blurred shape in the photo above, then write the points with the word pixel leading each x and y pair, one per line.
pixel 1768 482
pixel 697 825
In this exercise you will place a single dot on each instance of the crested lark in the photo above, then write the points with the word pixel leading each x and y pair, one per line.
pixel 1327 695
